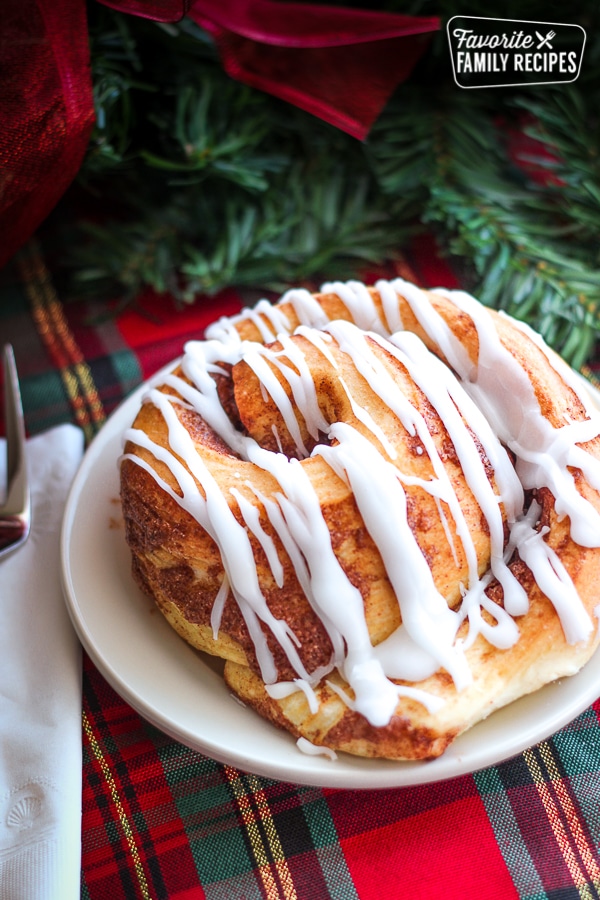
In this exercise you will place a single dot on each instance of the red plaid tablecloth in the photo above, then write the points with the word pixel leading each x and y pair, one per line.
pixel 162 821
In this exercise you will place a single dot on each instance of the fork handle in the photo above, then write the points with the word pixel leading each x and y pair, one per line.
pixel 12 528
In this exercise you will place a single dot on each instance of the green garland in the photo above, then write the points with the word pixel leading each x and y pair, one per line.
pixel 196 183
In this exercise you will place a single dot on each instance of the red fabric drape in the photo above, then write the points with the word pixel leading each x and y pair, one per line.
pixel 46 110
pixel 339 64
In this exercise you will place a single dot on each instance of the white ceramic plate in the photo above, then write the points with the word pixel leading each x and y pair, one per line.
pixel 181 691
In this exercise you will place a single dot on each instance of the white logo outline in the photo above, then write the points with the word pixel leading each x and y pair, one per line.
pixel 551 25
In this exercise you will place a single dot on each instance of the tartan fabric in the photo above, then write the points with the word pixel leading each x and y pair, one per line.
pixel 162 822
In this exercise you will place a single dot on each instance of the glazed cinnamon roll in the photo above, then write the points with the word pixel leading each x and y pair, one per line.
pixel 379 505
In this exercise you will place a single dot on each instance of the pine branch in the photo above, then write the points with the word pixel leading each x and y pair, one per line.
pixel 524 244
pixel 304 228
pixel 202 183
pixel 567 128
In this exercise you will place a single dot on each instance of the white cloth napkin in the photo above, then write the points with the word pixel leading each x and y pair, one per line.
pixel 40 693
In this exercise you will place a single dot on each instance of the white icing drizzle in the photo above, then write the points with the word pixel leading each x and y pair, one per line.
pixel 436 328
pixel 332 593
pixel 430 701
pixel 382 504
pixel 274 319
pixel 218 605
pixel 359 303
pixel 551 576
pixel 544 453
pixel 302 387
pixel 453 406
pixel 353 342
pixel 368 421
pixel 477 411
pixel 252 519
pixel 314 750
pixel 255 359
pixel 568 375
pixel 307 308
pixel 213 513
pixel 391 308
pixel 287 688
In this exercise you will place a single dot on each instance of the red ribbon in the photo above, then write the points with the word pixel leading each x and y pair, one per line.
pixel 339 64
pixel 157 10
pixel 46 111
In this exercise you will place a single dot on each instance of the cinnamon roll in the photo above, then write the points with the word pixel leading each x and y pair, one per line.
pixel 379 505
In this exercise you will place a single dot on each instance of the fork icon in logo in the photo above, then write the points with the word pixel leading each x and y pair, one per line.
pixel 545 41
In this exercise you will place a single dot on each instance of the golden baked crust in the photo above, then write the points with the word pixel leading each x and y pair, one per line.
pixel 179 531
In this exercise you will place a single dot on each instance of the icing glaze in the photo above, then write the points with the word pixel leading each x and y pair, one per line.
pixel 479 412
pixel 313 750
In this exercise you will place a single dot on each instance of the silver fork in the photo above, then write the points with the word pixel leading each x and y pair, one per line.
pixel 15 513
